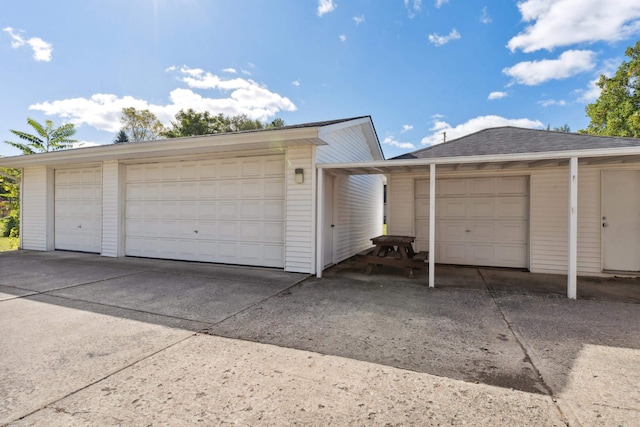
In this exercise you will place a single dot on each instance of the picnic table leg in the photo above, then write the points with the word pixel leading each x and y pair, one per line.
pixel 370 266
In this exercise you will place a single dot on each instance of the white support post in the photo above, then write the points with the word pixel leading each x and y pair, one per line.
pixel 572 273
pixel 432 224
pixel 319 222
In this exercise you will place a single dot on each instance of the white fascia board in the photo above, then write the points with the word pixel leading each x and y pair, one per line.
pixel 390 164
pixel 172 147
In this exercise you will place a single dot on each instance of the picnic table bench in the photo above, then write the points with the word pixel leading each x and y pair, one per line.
pixel 395 251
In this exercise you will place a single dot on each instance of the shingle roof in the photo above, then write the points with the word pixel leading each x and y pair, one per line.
pixel 513 140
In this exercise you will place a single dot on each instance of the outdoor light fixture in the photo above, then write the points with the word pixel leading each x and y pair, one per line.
pixel 299 176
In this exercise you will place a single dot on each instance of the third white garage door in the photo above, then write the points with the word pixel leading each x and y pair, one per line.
pixel 479 221
pixel 223 210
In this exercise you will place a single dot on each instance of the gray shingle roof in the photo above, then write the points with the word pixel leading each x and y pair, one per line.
pixel 513 140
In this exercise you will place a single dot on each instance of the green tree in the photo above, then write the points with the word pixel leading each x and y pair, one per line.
pixel 564 128
pixel 616 112
pixel 47 138
pixel 10 209
pixel 140 125
pixel 121 137
pixel 191 123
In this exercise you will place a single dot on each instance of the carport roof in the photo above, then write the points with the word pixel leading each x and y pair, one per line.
pixel 504 148
pixel 510 140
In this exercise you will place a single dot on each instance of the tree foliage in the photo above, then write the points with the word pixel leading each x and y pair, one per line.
pixel 46 138
pixel 121 137
pixel 192 123
pixel 10 205
pixel 140 125
pixel 564 128
pixel 616 112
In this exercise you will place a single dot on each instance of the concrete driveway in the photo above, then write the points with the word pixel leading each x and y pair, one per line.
pixel 87 340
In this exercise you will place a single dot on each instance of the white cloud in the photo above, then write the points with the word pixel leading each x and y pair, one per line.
pixel 295 83
pixel 568 64
pixel 358 19
pixel 325 6
pixel 439 3
pixel 552 102
pixel 406 128
pixel 440 40
pixel 390 140
pixel 413 7
pixel 343 38
pixel 238 96
pixel 497 95
pixel 229 70
pixel 473 125
pixel 245 72
pixel 42 50
pixel 567 22
pixel 485 18
pixel 170 68
pixel 592 92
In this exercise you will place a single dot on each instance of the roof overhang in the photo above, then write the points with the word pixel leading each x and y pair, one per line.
pixel 496 161
pixel 276 140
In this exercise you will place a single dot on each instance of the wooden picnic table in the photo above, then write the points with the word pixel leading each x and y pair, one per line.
pixel 395 251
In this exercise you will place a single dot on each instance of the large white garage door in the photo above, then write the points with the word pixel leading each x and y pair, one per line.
pixel 225 210
pixel 479 221
pixel 78 209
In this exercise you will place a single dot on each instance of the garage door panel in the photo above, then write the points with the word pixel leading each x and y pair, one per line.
pixel 479 221
pixel 481 208
pixel 233 204
pixel 228 189
pixel 481 186
pixel 78 209
pixel 451 208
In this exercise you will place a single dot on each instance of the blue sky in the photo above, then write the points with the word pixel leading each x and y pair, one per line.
pixel 419 68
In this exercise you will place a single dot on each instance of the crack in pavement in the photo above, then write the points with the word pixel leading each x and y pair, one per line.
pixel 528 359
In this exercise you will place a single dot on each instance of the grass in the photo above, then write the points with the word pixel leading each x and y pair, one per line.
pixel 4 244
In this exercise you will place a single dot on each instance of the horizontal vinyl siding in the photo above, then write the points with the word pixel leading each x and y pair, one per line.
pixel 549 220
pixel 110 208
pixel 359 213
pixel 299 225
pixel 34 208
pixel 345 145
pixel 400 205
pixel 358 198
pixel 589 224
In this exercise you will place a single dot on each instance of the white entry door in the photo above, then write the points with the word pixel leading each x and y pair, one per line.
pixel 621 220
pixel 479 221
pixel 78 209
pixel 223 210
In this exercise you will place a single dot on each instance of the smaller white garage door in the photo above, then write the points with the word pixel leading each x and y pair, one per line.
pixel 78 209
pixel 226 210
pixel 479 221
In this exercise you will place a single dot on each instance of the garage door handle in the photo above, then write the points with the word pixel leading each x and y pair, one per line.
pixel 195 231
pixel 80 226
pixel 604 224
pixel 467 231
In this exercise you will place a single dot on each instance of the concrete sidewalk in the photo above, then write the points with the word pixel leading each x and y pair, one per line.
pixel 97 341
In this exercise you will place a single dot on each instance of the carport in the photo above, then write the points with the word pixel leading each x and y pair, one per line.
pixel 595 162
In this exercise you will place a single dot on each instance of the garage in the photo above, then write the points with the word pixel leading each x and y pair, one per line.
pixel 479 221
pixel 228 210
pixel 78 209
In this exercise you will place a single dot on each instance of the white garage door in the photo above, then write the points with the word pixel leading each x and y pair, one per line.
pixel 479 221
pixel 225 210
pixel 78 209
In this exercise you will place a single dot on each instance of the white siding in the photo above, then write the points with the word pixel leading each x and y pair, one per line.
pixel 35 208
pixel 300 218
pixel 548 210
pixel 359 198
pixel 400 205
pixel 345 145
pixel 112 209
